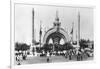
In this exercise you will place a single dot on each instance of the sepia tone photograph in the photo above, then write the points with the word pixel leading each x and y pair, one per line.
pixel 52 34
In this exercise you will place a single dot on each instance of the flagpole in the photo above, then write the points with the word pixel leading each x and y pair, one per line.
pixel 72 31
pixel 40 34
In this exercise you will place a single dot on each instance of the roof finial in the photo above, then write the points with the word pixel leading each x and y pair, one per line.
pixel 57 18
pixel 57 14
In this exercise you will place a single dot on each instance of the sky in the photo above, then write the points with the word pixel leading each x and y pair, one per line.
pixel 47 14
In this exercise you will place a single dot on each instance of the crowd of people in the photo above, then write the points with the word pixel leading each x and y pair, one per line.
pixel 79 54
pixel 20 56
pixel 75 53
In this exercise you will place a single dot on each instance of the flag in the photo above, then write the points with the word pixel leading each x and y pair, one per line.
pixel 40 29
pixel 40 32
pixel 72 28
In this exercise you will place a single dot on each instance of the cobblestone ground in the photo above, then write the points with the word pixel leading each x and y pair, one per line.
pixel 53 59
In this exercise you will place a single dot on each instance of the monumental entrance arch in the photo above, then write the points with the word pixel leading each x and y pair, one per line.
pixel 56 33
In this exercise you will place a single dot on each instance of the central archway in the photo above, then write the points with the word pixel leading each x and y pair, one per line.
pixel 56 33
pixel 55 36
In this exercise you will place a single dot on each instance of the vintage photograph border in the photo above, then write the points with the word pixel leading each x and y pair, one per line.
pixel 12 31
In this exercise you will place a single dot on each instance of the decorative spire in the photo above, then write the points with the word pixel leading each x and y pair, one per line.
pixel 78 25
pixel 57 23
pixel 57 18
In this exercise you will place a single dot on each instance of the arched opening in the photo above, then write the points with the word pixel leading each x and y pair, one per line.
pixel 55 38
pixel 62 41
pixel 50 41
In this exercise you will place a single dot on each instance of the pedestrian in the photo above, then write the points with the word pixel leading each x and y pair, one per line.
pixel 18 60
pixel 16 57
pixel 79 56
pixel 70 55
pixel 48 57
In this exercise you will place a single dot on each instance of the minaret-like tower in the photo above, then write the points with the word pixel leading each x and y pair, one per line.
pixel 79 26
pixel 78 40
pixel 33 27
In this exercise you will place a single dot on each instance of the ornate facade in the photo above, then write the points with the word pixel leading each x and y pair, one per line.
pixel 56 33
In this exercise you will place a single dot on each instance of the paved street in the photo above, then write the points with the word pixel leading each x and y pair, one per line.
pixel 37 59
